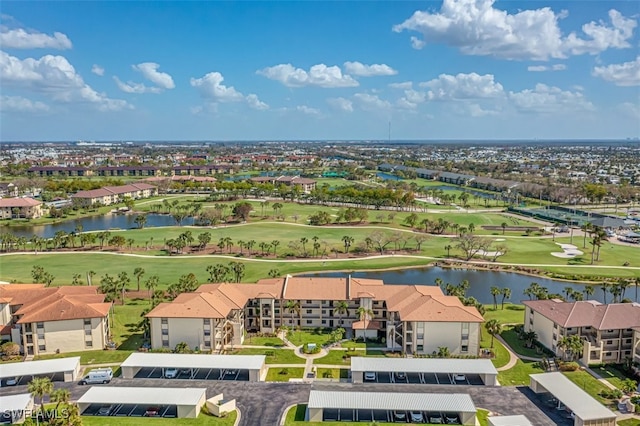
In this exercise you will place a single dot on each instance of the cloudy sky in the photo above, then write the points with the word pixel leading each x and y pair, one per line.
pixel 457 69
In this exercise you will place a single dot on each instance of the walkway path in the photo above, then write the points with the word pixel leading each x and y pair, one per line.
pixel 600 379
pixel 513 358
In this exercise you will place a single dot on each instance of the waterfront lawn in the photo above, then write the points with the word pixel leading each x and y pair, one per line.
pixel 320 336
pixel 263 341
pixel 589 384
pixel 92 357
pixel 333 373
pixel 274 356
pixel 283 374
pixel 517 345
pixel 204 419
pixel 337 357
pixel 511 314
pixel 519 374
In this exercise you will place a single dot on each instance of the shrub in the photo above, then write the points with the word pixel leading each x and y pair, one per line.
pixel 284 371
pixel 569 366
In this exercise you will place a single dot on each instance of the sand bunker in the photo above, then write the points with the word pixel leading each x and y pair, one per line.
pixel 499 239
pixel 489 253
pixel 568 251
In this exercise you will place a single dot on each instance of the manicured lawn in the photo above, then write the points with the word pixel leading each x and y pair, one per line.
pixel 511 314
pixel 274 356
pixel 93 357
pixel 202 419
pixel 280 374
pixel 300 337
pixel 335 357
pixel 482 417
pixel 263 341
pixel 501 354
pixel 518 345
pixel 629 422
pixel 349 344
pixel 333 373
pixel 612 374
pixel 125 322
pixel 589 384
pixel 519 374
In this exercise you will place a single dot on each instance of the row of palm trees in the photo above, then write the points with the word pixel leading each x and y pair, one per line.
pixel 40 387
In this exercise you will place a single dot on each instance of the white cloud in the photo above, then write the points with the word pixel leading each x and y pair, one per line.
pixel 131 87
pixel 308 110
pixel 97 70
pixel 403 85
pixel 371 102
pixel 541 68
pixel 255 103
pixel 477 28
pixel 630 109
pixel 56 78
pixel 476 110
pixel 21 39
pixel 149 70
pixel 210 86
pixel 318 75
pixel 625 74
pixel 341 104
pixel 549 99
pixel 361 70
pixel 463 86
pixel 20 104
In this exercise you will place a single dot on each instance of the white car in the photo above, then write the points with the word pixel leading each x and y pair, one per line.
pixel 11 381
pixel 171 373
pixel 416 417
pixel 399 415
pixel 401 376
pixel 105 410
pixel 460 377
pixel 369 376
pixel 435 420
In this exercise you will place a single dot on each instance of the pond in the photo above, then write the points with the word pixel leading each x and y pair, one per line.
pixel 94 223
pixel 490 196
pixel 387 176
pixel 481 281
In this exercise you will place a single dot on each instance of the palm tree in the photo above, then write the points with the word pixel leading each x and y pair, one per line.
pixel 495 292
pixel 504 227
pixel 448 248
pixel 304 241
pixel 141 220
pixel 151 284
pixel 604 287
pixel 39 387
pixel 138 273
pixel 60 396
pixel 588 291
pixel 571 345
pixel 364 314
pixel 493 327
pixel 341 308
pixel 293 308
pixel 275 244
pixel 506 294
pixel 347 240
pixel 529 338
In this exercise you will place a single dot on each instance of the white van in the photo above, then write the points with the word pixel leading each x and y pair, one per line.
pixel 99 375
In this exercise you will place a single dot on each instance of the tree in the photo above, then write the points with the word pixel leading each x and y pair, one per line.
pixel 217 272
pixel 242 210
pixel 448 248
pixel 420 239
pixel 39 387
pixel 347 241
pixel 108 287
pixel 118 241
pixel 238 270
pixel 411 220
pixel 304 241
pixel 504 227
pixel 471 244
pixel 138 272
pixel 341 308
pixel 495 292
pixel 605 288
pixel 204 239
pixel 571 346
pixel 629 386
pixel 275 244
pixel 292 307
pixel 141 220
pixel 151 284
pixel 494 328
pixel 588 291
pixel 506 294
pixel 10 349
pixel 365 314
pixel 443 352
pixel 182 348
pixel 122 283
pixel 60 396
pixel 274 273
pixel 529 338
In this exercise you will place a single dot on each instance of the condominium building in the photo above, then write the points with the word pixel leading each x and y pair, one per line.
pixel 636 345
pixel 416 319
pixel 607 330
pixel 114 194
pixel 25 208
pixel 306 185
pixel 48 320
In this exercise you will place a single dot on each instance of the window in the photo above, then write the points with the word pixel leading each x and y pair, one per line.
pixel 29 338
pixel 41 336
pixel 309 311
pixel 207 332
pixel 309 322
pixel 607 354
pixel 555 326
pixel 87 332
pixel 464 348
pixel 88 343
pixel 165 332
pixel 376 313
pixel 41 324
pixel 324 321
pixel 207 343
pixel 164 321
pixel 530 311
pixel 277 311
pixel 42 348
pixel 324 312
pixel 87 321
pixel 165 343
pixel 206 321
pixel 609 342
pixel 419 348
pixel 309 302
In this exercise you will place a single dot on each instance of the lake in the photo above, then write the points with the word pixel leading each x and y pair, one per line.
pixel 481 281
pixel 94 223
pixel 387 176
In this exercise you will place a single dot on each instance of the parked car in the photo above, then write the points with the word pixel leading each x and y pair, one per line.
pixel 152 412
pixel 452 420
pixel 460 377
pixel 171 373
pixel 435 419
pixel 399 415
pixel 369 376
pixel 230 372
pixel 105 410
pixel 417 417
pixel 11 381
pixel 99 375
pixel 401 376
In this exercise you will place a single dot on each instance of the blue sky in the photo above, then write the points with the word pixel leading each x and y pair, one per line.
pixel 458 69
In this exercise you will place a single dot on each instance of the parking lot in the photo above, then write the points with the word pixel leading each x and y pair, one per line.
pixel 424 378
pixel 193 374
pixel 23 380
pixel 388 416
pixel 131 410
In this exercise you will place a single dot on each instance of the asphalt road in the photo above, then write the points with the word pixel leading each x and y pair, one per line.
pixel 264 403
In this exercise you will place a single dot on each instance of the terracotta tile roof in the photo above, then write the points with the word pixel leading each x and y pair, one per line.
pixel 316 288
pixel 211 304
pixel 371 325
pixel 588 313
pixel 19 202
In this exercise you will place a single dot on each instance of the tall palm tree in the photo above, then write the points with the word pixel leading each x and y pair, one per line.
pixel 588 291
pixel 60 396
pixel 365 314
pixel 292 307
pixel 341 308
pixel 493 327
pixel 604 287
pixel 138 273
pixel 39 387
pixel 506 294
pixel 495 292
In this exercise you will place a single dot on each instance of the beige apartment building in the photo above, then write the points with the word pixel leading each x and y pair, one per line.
pixel 114 194
pixel 415 319
pixel 49 320
pixel 607 330
pixel 20 208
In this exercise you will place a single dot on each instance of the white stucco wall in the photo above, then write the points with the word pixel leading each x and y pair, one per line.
pixel 542 326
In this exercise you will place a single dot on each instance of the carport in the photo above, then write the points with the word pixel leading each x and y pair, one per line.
pixel 59 369
pixel 432 371
pixel 194 366
pixel 518 420
pixel 15 408
pixel 138 402
pixel 579 405
pixel 454 408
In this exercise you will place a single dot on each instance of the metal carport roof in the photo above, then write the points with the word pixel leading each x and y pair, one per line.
pixel 452 402
pixel 581 403
pixel 36 368
pixel 15 402
pixel 246 362
pixel 518 420
pixel 423 365
pixel 142 396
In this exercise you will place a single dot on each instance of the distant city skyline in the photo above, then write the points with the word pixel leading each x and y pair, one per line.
pixel 231 71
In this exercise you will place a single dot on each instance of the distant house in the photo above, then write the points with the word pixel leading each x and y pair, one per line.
pixel 49 320
pixel 25 208
pixel 455 178
pixel 44 171
pixel 306 184
pixel 8 190
pixel 115 194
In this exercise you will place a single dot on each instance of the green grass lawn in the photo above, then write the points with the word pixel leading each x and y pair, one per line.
pixel 300 337
pixel 612 374
pixel 280 356
pixel 519 374
pixel 333 373
pixel 518 345
pixel 335 357
pixel 501 354
pixel 482 417
pixel 629 422
pixel 92 357
pixel 280 374
pixel 125 322
pixel 202 419
pixel 263 341
pixel 511 314
pixel 350 344
pixel 589 384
